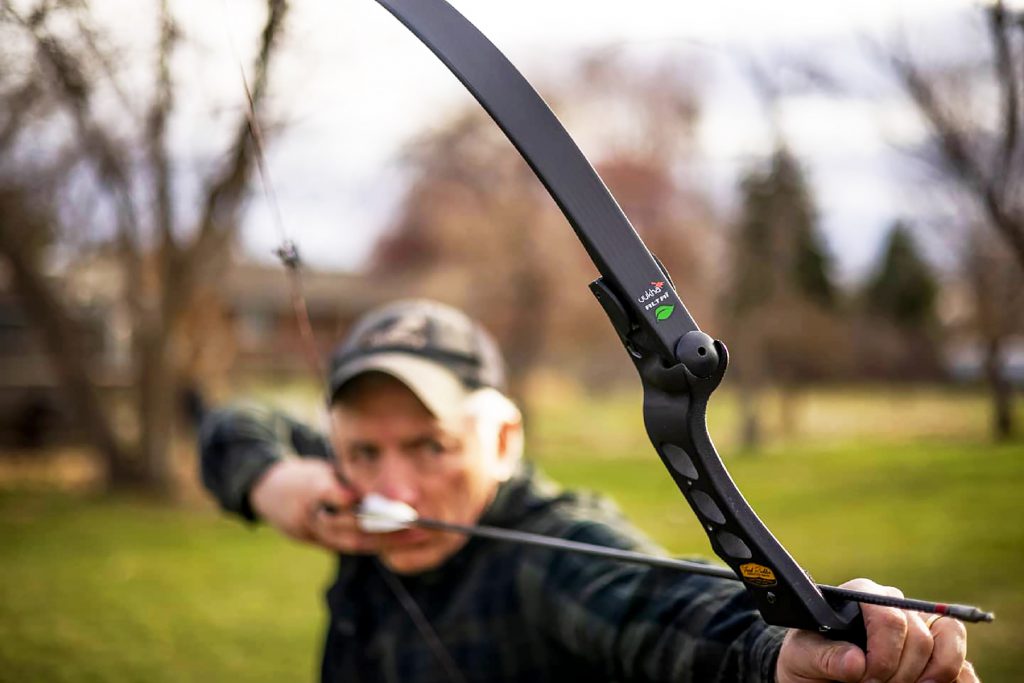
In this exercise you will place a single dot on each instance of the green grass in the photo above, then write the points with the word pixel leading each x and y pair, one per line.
pixel 904 489
pixel 125 591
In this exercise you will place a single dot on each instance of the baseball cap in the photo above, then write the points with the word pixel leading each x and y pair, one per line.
pixel 437 351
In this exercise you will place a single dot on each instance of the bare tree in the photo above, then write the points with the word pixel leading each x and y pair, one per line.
pixel 974 110
pixel 996 289
pixel 126 162
pixel 781 299
pixel 984 157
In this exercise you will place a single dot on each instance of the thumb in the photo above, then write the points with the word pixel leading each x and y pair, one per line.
pixel 842 662
pixel 813 658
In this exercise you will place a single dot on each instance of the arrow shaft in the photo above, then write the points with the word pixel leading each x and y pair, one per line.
pixel 962 612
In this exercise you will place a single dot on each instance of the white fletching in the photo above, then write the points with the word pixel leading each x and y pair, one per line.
pixel 380 515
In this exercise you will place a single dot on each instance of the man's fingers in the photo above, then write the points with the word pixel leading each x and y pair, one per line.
pixel 887 630
pixel 808 658
pixel 947 661
pixel 900 648
pixel 339 494
pixel 341 533
pixel 332 495
pixel 917 650
pixel 839 661
pixel 967 674
pixel 333 523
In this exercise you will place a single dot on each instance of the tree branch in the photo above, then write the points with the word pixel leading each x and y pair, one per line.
pixel 1006 79
pixel 75 91
pixel 156 130
pixel 156 147
pixel 955 151
pixel 228 188
pixel 20 107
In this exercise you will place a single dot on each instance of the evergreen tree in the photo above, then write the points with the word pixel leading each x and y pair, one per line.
pixel 812 268
pixel 779 246
pixel 782 295
pixel 902 287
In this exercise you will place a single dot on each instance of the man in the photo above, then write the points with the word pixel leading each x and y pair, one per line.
pixel 418 415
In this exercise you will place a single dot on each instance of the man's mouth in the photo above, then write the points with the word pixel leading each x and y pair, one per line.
pixel 406 538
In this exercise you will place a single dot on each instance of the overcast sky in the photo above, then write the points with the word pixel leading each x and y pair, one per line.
pixel 354 86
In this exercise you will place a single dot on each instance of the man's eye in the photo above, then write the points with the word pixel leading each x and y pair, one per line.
pixel 429 448
pixel 363 455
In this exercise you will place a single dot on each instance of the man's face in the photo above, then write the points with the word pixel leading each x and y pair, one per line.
pixel 388 443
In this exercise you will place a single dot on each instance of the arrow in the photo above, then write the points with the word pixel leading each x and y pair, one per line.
pixel 380 515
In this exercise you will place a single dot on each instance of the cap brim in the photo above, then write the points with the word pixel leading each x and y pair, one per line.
pixel 439 389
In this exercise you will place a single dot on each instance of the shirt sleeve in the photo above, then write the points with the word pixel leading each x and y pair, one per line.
pixel 237 445
pixel 640 623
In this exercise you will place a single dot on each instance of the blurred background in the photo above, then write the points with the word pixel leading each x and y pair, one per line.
pixel 836 189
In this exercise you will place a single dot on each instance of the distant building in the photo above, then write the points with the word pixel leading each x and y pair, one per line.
pixel 964 351
pixel 258 301
pixel 966 360
pixel 248 324
pixel 31 409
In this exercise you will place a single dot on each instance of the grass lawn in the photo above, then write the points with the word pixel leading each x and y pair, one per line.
pixel 124 590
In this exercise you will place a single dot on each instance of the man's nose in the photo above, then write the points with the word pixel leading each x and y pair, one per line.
pixel 397 479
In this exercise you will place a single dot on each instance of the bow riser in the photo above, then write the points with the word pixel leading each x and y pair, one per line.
pixel 784 593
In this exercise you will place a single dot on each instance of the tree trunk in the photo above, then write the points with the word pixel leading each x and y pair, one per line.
pixel 157 387
pixel 1003 427
pixel 751 434
pixel 62 337
pixel 789 411
pixel 992 280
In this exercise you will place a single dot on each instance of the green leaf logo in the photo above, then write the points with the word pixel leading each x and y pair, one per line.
pixel 662 312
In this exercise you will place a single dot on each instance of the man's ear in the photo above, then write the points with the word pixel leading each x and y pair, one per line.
pixel 510 448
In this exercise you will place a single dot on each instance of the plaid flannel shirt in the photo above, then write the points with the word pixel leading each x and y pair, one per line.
pixel 505 612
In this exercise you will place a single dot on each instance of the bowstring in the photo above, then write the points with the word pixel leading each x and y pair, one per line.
pixel 287 251
pixel 423 626
pixel 288 254
pixel 408 603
